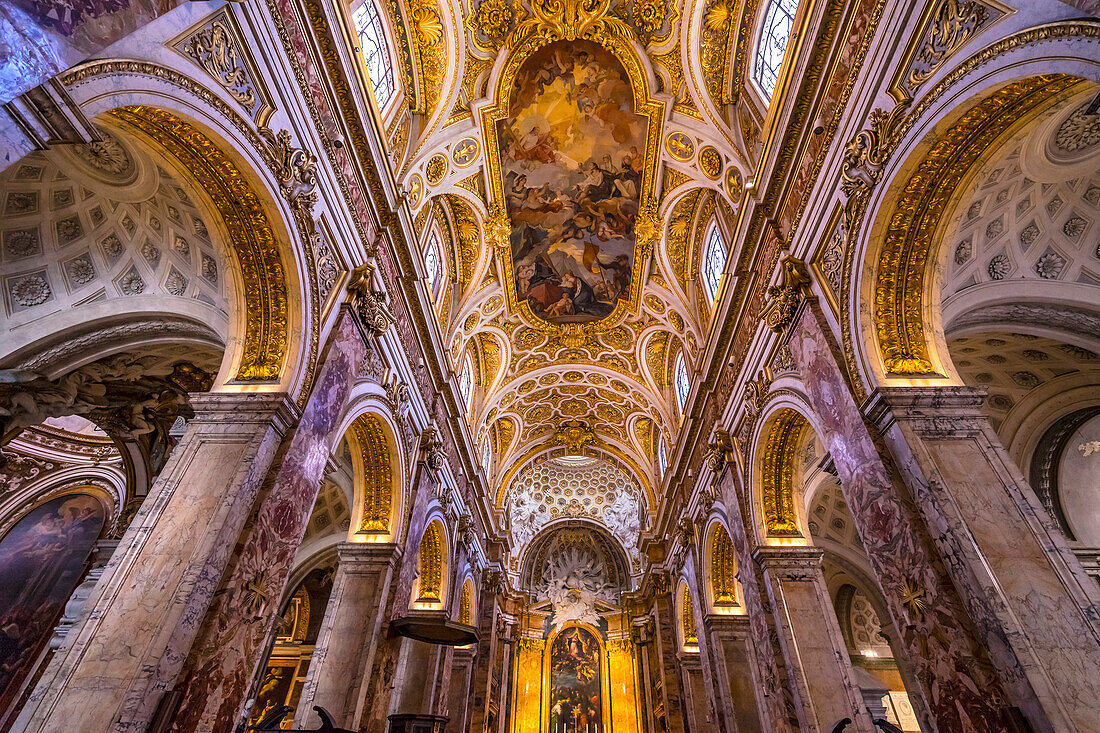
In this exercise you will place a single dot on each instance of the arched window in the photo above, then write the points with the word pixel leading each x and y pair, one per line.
pixel 376 51
pixel 714 262
pixel 775 32
pixel 486 456
pixel 465 380
pixel 683 381
pixel 662 456
pixel 431 261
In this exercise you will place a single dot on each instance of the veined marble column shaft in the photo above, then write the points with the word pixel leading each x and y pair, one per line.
pixel 349 633
pixel 817 659
pixel 947 653
pixel 736 677
pixel 138 627
pixel 230 645
pixel 1000 546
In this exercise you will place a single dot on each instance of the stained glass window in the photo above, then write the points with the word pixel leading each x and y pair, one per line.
pixel 683 382
pixel 431 260
pixel 714 262
pixel 775 32
pixel 376 51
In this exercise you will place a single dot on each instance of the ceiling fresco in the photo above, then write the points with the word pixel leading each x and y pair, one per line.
pixel 588 148
pixel 572 154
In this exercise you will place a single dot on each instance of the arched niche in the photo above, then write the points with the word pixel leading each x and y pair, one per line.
pixel 376 468
pixel 721 571
pixel 687 627
pixel 275 321
pixel 575 550
pixel 900 336
pixel 432 565
pixel 780 440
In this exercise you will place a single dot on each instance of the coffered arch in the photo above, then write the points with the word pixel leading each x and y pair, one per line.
pixel 247 185
pixel 928 157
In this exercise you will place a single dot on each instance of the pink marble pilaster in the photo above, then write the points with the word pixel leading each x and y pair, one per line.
pixel 349 635
pixel 108 674
pixel 963 671
pixel 1004 553
pixel 774 689
pixel 817 659
pixel 229 648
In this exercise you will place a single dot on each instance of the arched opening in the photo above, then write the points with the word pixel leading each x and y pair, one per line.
pixel 722 571
pixel 431 567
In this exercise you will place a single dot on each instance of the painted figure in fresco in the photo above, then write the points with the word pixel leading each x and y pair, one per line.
pixel 42 560
pixel 572 180
pixel 575 683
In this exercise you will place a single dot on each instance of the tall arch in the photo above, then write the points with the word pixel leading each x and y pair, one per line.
pixel 249 182
pixel 779 438
pixel 721 569
pixel 431 565
pixel 376 476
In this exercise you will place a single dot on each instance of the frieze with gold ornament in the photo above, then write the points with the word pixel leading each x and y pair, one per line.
pixel 216 45
pixel 944 28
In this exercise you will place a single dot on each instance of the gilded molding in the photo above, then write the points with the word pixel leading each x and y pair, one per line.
pixel 904 263
pixel 687 619
pixel 250 231
pixel 723 567
pixel 217 47
pixel 374 463
pixel 430 564
pixel 780 451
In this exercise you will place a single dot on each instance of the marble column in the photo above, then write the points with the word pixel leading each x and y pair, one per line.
pixel 774 689
pixel 487 698
pixel 705 705
pixel 349 635
pixel 817 659
pixel 737 679
pixel 671 704
pixel 109 671
pixel 961 669
pixel 1012 566
pixel 240 619
pixel 382 676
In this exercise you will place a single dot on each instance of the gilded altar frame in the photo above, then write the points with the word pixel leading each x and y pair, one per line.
pixel 554 20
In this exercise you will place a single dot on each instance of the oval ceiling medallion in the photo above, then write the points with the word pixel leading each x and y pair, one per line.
pixel 436 169
pixel 465 152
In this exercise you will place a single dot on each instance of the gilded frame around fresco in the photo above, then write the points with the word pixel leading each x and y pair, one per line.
pixel 569 21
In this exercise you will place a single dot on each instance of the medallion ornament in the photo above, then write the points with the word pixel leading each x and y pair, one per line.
pixel 574 435
pixel 494 19
pixel 710 162
pixel 680 146
pixel 436 169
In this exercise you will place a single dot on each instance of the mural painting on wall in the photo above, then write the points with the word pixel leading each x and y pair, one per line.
pixel 42 560
pixel 575 683
pixel 572 157
pixel 44 37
